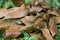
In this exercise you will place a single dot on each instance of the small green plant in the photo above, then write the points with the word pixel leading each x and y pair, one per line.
pixel 27 1
pixel 6 3
pixel 57 37
pixel 54 3
pixel 27 37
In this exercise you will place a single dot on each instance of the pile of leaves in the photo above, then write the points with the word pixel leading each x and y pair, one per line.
pixel 29 20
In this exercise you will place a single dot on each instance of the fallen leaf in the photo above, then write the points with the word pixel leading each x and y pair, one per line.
pixel 17 12
pixel 28 20
pixel 52 27
pixel 46 34
pixel 13 31
pixel 39 21
pixel 58 20
pixel 36 9
pixel 5 24
pixel 54 12
pixel 46 17
pixel 18 2
pixel 2 12
pixel 28 28
pixel 41 0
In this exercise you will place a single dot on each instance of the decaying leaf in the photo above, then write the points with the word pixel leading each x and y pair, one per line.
pixel 46 34
pixel 13 31
pixel 52 26
pixel 17 12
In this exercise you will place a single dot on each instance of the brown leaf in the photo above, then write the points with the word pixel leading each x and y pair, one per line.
pixel 18 2
pixel 28 28
pixel 2 12
pixel 58 20
pixel 28 20
pixel 13 31
pixel 41 0
pixel 39 21
pixel 52 26
pixel 46 17
pixel 54 12
pixel 46 7
pixel 4 24
pixel 17 12
pixel 46 34
pixel 43 3
pixel 36 9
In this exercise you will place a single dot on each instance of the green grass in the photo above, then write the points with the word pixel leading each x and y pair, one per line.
pixel 54 3
pixel 57 37
pixel 6 3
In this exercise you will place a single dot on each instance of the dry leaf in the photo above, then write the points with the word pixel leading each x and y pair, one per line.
pixel 46 34
pixel 28 28
pixel 2 12
pixel 17 12
pixel 46 17
pixel 58 20
pixel 36 9
pixel 54 12
pixel 13 31
pixel 18 2
pixel 28 20
pixel 38 21
pixel 4 24
pixel 52 26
